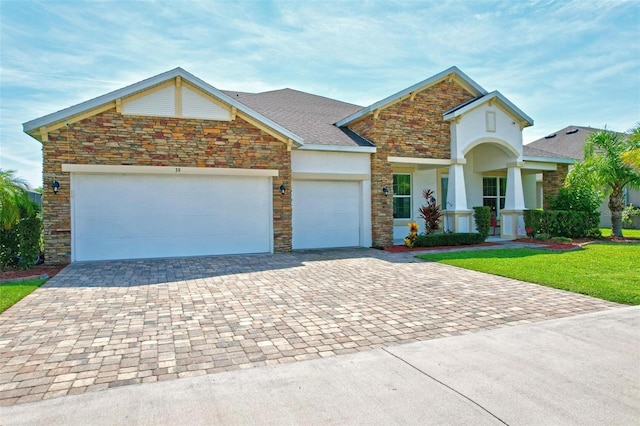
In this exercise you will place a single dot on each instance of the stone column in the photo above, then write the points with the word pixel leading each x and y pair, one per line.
pixel 552 181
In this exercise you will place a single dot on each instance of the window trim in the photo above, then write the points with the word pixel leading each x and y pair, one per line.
pixel 410 196
pixel 499 196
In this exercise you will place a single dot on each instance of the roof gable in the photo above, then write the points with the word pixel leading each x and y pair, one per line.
pixel 452 73
pixel 204 96
pixel 310 116
pixel 494 97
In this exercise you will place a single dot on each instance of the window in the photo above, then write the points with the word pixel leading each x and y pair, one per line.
pixel 402 196
pixel 444 190
pixel 494 192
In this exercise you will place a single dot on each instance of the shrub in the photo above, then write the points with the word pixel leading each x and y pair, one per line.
pixel 20 245
pixel 482 216
pixel 430 212
pixel 578 198
pixel 29 230
pixel 542 237
pixel 533 221
pixel 561 240
pixel 579 191
pixel 628 213
pixel 448 239
pixel 9 244
pixel 594 233
pixel 561 223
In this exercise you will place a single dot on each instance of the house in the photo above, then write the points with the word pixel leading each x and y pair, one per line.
pixel 569 143
pixel 172 166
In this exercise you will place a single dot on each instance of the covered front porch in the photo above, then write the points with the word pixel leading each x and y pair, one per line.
pixel 489 174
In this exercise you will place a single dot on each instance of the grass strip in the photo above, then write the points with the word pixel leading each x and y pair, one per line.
pixel 11 293
pixel 627 233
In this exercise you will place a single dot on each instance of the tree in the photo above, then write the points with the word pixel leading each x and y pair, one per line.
pixel 580 191
pixel 632 157
pixel 14 199
pixel 604 153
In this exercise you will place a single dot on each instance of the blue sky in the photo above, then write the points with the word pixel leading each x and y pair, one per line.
pixel 561 62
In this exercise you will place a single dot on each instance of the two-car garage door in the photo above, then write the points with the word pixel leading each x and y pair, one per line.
pixel 142 215
pixel 132 216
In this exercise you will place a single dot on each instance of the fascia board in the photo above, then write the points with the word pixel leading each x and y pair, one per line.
pixel 339 148
pixel 549 160
pixel 453 113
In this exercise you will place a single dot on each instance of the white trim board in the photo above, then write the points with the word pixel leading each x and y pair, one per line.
pixel 167 170
pixel 329 176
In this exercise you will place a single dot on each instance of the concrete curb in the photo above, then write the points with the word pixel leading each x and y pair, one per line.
pixel 21 279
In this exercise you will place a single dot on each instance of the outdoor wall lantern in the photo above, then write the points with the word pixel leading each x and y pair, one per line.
pixel 283 189
pixel 55 186
pixel 385 191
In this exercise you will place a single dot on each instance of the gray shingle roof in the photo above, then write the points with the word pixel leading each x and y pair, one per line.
pixel 530 152
pixel 567 142
pixel 304 114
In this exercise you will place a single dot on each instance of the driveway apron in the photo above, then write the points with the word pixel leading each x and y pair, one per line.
pixel 99 325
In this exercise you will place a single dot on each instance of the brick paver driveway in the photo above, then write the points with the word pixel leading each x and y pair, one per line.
pixel 104 324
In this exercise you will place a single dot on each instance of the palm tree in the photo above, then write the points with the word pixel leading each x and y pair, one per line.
pixel 14 198
pixel 604 153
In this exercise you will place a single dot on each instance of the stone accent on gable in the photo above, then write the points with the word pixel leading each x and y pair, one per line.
pixel 552 182
pixel 410 128
pixel 111 138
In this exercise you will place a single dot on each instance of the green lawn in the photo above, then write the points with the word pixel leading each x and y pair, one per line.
pixel 604 270
pixel 10 293
pixel 631 233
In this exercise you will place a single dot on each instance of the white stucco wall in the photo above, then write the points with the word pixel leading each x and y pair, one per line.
pixel 473 182
pixel 330 162
pixel 472 129
pixel 334 165
pixel 529 187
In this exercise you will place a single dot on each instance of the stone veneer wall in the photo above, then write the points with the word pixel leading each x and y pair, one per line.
pixel 551 183
pixel 407 129
pixel 111 138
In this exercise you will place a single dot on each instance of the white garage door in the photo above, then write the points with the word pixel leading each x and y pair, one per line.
pixel 143 216
pixel 325 214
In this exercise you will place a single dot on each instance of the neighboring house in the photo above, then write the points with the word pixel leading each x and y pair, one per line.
pixel 569 143
pixel 36 197
pixel 172 166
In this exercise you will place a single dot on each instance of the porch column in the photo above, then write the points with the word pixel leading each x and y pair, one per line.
pixel 512 216
pixel 458 216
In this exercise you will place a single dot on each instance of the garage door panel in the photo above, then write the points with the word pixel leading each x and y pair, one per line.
pixel 326 214
pixel 165 216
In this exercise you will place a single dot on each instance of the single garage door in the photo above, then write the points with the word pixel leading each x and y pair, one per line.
pixel 325 214
pixel 143 216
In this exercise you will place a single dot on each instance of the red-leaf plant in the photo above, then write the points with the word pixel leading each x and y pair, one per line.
pixel 430 212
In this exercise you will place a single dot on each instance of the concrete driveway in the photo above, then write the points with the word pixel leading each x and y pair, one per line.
pixel 100 325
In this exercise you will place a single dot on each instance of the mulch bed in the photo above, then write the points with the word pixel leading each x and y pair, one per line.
pixel 575 244
pixel 553 245
pixel 48 269
pixel 401 249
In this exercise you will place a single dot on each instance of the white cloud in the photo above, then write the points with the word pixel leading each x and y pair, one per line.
pixel 561 62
